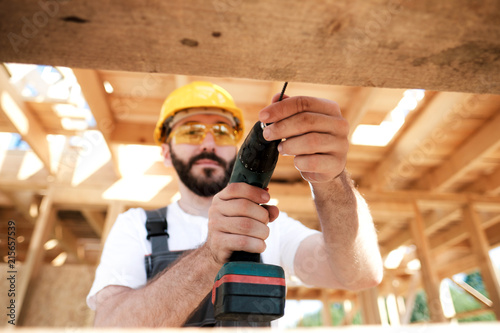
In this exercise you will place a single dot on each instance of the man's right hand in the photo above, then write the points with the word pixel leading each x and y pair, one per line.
pixel 237 221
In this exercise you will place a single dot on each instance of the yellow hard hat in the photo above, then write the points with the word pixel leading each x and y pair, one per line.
pixel 197 94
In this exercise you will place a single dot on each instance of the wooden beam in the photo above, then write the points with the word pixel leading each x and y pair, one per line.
pixel 325 310
pixel 67 240
pixel 485 141
pixel 95 95
pixel 24 121
pixel 133 133
pixel 432 223
pixel 383 311
pixel 472 313
pixel 368 300
pixel 392 310
pixel 366 49
pixel 410 298
pixel 358 107
pixel 34 257
pixel 95 219
pixel 417 142
pixel 481 249
pixel 463 264
pixel 114 209
pixel 448 238
pixel 63 234
pixel 489 184
pixel 473 292
pixel 429 276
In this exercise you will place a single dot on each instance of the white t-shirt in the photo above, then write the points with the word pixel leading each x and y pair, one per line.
pixel 122 260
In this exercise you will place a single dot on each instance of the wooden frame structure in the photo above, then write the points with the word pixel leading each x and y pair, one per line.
pixel 434 185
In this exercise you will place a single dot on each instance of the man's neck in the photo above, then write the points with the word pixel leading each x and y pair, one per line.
pixel 192 203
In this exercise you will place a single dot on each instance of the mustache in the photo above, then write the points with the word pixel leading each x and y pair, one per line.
pixel 206 155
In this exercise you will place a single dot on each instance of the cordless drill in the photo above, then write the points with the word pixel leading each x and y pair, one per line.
pixel 246 290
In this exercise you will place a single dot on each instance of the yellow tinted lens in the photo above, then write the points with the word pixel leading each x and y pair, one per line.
pixel 194 133
pixel 190 133
pixel 224 134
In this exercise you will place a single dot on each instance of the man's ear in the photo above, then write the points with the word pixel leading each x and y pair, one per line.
pixel 165 152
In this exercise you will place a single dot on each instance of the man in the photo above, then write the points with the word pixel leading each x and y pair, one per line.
pixel 198 130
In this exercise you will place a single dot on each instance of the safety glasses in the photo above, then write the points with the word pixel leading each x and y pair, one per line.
pixel 194 133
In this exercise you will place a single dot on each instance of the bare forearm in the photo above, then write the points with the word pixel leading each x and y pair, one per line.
pixel 349 234
pixel 167 301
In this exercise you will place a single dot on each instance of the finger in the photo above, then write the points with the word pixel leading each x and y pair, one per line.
pixel 312 143
pixel 245 226
pixel 244 191
pixel 273 211
pixel 227 243
pixel 320 163
pixel 276 97
pixel 297 104
pixel 244 208
pixel 306 122
pixel 247 244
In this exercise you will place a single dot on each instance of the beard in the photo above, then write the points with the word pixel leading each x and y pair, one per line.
pixel 206 185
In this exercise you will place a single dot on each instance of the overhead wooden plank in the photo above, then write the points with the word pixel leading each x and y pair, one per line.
pixel 481 249
pixel 24 121
pixel 429 275
pixel 369 43
pixel 485 141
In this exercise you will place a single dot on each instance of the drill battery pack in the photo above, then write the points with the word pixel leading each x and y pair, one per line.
pixel 249 291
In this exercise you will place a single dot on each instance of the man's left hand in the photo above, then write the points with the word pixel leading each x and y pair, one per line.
pixel 315 132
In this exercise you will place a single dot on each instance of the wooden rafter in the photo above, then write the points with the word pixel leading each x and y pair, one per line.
pixel 486 184
pixel 95 95
pixel 358 108
pixel 24 121
pixel 486 140
pixel 397 168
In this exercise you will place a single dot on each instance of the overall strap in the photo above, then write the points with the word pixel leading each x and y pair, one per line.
pixel 156 225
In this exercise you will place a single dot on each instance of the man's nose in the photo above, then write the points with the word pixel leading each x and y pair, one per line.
pixel 208 142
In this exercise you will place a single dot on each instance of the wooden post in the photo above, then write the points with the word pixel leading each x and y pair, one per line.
pixel 392 310
pixel 36 252
pixel 349 311
pixel 410 298
pixel 115 208
pixel 325 311
pixel 429 275
pixel 481 249
pixel 369 306
pixel 382 310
